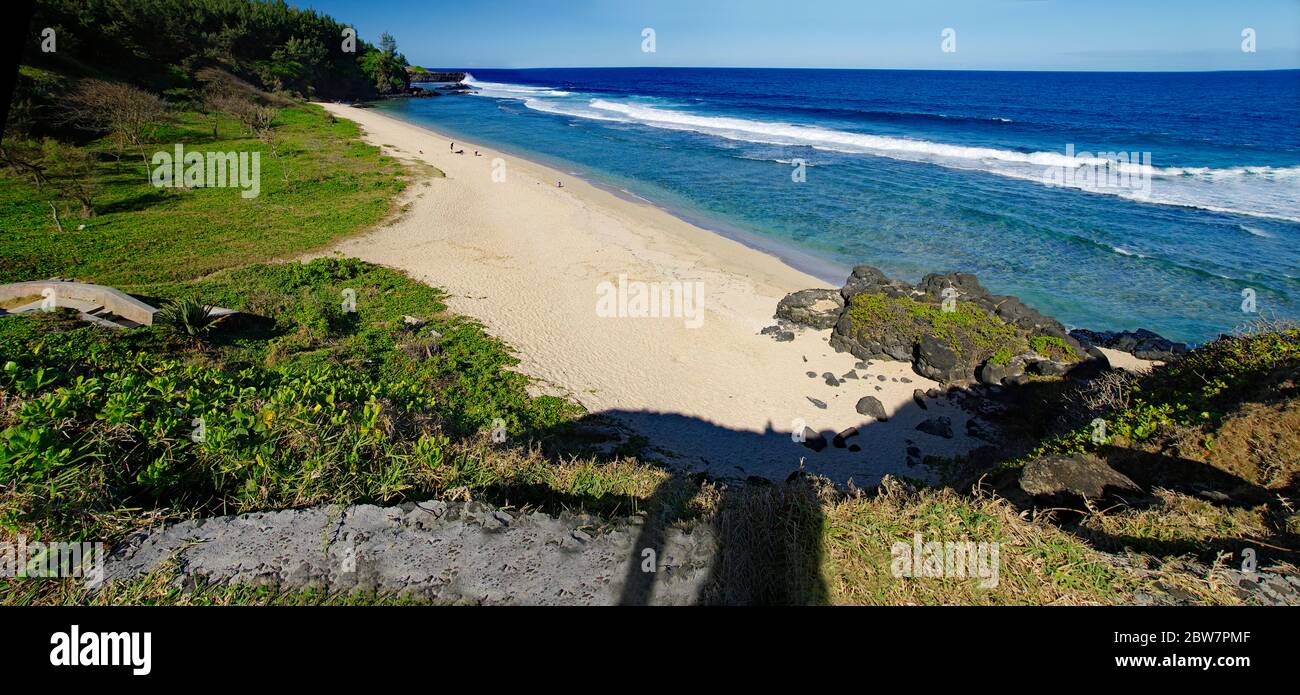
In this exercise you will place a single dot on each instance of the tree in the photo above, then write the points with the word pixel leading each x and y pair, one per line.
pixel 131 115
pixel 72 171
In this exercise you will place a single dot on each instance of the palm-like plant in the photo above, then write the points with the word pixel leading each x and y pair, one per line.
pixel 188 318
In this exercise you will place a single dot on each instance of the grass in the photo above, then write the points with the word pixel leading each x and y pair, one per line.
pixel 1040 564
pixel 1053 347
pixel 310 404
pixel 142 234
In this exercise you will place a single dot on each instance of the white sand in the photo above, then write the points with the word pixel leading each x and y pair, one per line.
pixel 526 258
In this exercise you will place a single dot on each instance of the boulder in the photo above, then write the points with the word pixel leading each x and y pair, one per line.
pixel 871 406
pixel 939 426
pixel 813 308
pixel 1061 478
pixel 994 374
pixel 1048 368
pixel 937 361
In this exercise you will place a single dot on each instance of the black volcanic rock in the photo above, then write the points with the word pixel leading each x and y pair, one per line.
pixel 812 308
pixel 939 426
pixel 865 278
pixel 1141 343
pixel 1065 479
pixel 871 406
pixel 938 361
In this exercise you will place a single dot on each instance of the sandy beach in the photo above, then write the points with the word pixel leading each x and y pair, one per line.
pixel 528 259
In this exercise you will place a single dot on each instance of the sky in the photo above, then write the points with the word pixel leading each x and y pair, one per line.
pixel 986 34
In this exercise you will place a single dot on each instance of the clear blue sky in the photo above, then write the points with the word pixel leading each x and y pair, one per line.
pixel 991 34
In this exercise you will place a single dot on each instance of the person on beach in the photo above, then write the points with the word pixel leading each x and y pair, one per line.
pixel 559 184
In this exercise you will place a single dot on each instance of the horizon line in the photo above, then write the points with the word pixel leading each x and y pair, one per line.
pixel 745 67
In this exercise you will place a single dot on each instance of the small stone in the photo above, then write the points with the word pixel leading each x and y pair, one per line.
pixel 839 439
pixel 919 397
pixel 881 377
pixel 811 375
pixel 814 401
pixel 850 375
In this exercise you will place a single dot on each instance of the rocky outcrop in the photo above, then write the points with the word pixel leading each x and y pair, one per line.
pixel 1141 343
pixel 1005 307
pixel 813 308
pixel 427 76
pixel 906 332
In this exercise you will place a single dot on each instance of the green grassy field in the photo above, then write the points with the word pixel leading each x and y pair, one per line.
pixel 143 234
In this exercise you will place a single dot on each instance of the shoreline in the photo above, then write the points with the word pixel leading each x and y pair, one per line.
pixel 823 269
pixel 526 258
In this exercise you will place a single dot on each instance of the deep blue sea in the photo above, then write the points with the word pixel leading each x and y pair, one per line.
pixel 1019 178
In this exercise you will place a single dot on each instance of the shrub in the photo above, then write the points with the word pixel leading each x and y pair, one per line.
pixel 188 317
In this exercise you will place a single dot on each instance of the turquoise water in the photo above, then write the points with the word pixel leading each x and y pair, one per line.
pixel 916 171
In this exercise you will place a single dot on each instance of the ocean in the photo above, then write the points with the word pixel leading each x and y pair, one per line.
pixel 1169 201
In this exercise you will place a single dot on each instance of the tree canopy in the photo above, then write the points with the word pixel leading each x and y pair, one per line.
pixel 161 44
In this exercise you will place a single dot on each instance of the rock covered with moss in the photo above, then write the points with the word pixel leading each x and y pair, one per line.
pixel 948 326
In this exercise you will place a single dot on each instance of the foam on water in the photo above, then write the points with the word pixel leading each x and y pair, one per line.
pixel 1256 191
